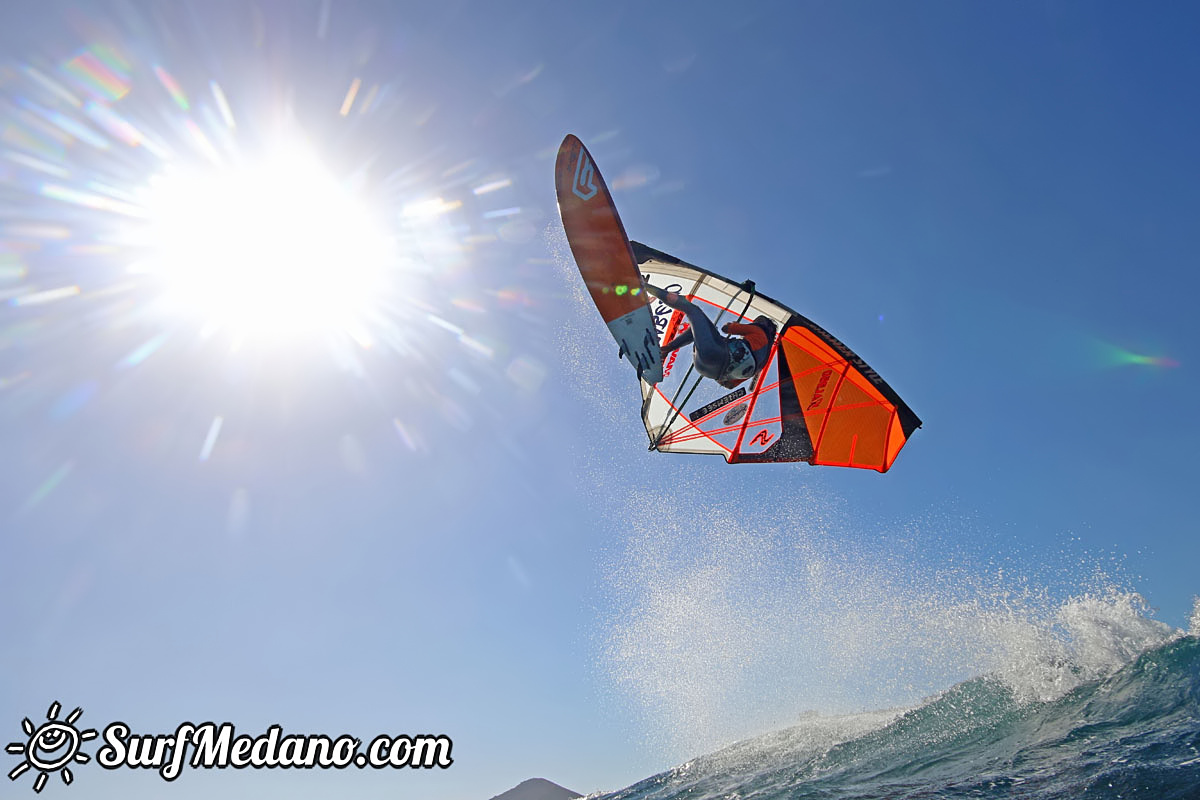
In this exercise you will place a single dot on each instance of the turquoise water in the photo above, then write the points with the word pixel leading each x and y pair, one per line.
pixel 1133 733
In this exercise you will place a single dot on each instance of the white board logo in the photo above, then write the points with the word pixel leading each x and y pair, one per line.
pixel 585 187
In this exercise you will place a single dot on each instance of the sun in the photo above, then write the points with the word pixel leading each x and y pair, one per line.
pixel 268 249
pixel 53 746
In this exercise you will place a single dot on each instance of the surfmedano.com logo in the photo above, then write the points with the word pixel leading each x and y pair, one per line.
pixel 55 745
pixel 51 747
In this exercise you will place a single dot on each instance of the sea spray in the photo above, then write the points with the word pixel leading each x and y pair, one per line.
pixel 723 629
pixel 1133 733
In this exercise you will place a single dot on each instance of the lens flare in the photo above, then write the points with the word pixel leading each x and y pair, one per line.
pixel 176 223
pixel 102 70
pixel 1114 356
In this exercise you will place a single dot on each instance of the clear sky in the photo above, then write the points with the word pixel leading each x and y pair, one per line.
pixel 435 512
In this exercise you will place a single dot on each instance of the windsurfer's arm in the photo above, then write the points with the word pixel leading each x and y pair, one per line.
pixel 739 328
pixel 753 334
pixel 679 341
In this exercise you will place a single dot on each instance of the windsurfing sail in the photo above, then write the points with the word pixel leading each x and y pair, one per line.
pixel 815 401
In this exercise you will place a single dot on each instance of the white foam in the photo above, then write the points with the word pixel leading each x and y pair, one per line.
pixel 1083 639
pixel 721 631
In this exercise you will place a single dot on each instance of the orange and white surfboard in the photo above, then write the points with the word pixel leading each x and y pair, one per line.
pixel 604 257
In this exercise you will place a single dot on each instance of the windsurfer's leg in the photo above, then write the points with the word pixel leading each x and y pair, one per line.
pixel 661 294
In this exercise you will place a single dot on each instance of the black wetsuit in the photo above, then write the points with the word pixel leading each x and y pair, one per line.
pixel 714 354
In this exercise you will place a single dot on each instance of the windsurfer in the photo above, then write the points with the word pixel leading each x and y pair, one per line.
pixel 728 360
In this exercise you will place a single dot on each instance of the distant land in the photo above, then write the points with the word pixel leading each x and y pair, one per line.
pixel 537 789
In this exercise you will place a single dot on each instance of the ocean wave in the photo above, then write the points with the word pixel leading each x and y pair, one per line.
pixel 1133 731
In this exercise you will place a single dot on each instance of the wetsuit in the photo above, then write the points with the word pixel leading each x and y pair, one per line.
pixel 725 360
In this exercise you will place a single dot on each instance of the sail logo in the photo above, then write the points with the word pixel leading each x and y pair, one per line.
pixel 663 313
pixel 762 438
pixel 819 393
pixel 717 404
pixel 735 415
pixel 585 186
pixel 670 363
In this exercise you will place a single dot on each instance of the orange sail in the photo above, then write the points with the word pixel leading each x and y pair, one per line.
pixel 815 401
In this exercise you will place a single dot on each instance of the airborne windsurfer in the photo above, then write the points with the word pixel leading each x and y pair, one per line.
pixel 728 360
pixel 804 395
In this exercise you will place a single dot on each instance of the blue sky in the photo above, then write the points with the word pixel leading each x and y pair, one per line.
pixel 457 528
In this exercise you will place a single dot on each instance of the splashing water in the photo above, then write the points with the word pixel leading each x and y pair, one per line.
pixel 1132 733
pixel 723 631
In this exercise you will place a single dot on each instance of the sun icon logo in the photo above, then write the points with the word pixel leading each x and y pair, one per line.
pixel 51 747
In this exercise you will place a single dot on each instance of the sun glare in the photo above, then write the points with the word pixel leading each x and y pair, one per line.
pixel 275 248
